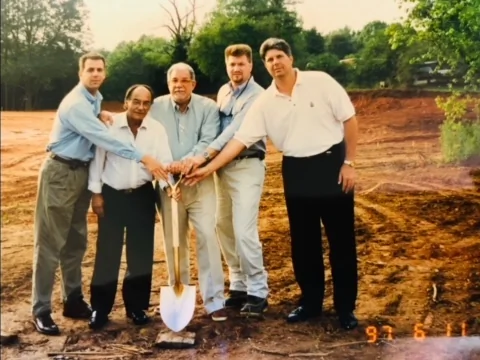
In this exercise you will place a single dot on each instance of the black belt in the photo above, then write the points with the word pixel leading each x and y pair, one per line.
pixel 257 155
pixel 131 191
pixel 72 163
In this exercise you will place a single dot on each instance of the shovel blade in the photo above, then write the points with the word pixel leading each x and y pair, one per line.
pixel 177 310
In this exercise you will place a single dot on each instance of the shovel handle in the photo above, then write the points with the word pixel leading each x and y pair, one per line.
pixel 175 227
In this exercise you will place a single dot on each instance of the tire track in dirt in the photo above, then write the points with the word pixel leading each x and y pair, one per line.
pixel 440 189
pixel 23 159
pixel 380 277
pixel 402 305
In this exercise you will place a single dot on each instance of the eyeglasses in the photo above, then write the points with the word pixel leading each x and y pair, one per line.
pixel 183 81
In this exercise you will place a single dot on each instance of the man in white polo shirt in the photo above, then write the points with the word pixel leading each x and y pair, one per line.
pixel 309 117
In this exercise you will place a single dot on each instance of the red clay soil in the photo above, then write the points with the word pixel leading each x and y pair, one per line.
pixel 418 233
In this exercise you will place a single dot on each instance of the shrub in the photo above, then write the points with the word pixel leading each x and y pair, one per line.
pixel 460 139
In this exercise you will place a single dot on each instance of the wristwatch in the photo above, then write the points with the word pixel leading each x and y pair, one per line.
pixel 349 163
pixel 206 155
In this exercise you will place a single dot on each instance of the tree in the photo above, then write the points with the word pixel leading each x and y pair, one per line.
pixel 41 42
pixel 370 30
pixel 143 61
pixel 341 42
pixel 314 41
pixel 245 21
pixel 329 63
pixel 452 27
pixel 181 28
pixel 408 55
pixel 376 61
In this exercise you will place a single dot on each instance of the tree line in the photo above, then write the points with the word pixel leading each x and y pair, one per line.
pixel 41 41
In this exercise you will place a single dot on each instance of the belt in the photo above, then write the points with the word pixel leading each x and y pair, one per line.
pixel 257 155
pixel 132 190
pixel 72 163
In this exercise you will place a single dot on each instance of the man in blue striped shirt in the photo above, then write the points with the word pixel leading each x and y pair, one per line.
pixel 239 189
pixel 192 122
pixel 63 197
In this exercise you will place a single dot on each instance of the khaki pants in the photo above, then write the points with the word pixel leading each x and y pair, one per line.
pixel 198 206
pixel 239 189
pixel 60 232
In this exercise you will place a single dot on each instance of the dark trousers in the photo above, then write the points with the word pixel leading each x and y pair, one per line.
pixel 312 193
pixel 135 212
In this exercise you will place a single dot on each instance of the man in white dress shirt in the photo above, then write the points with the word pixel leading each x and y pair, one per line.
pixel 309 117
pixel 124 199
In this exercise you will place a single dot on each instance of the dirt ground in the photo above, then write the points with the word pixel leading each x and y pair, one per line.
pixel 418 233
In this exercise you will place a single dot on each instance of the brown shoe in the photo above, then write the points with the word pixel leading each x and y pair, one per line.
pixel 219 315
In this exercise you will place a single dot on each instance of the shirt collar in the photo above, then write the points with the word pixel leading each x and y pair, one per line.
pixel 240 88
pixel 298 81
pixel 177 108
pixel 123 122
pixel 91 98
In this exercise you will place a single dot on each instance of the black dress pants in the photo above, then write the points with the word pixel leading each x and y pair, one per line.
pixel 312 193
pixel 135 212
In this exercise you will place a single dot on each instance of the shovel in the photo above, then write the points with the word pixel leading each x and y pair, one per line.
pixel 177 302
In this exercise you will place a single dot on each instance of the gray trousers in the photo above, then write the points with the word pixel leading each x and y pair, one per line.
pixel 239 189
pixel 60 235
pixel 198 208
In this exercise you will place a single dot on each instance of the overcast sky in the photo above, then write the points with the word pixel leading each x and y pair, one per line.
pixel 113 21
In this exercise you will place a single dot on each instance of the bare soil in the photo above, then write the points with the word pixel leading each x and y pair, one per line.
pixel 418 233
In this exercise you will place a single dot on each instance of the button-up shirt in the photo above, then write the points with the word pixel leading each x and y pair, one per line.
pixel 307 123
pixel 120 173
pixel 234 104
pixel 189 133
pixel 76 129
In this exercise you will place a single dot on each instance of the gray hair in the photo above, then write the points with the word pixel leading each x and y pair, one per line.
pixel 180 66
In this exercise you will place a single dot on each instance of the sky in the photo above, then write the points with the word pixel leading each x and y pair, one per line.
pixel 113 21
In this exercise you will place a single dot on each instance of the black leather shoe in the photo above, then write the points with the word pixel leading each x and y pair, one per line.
pixel 348 321
pixel 98 320
pixel 236 299
pixel 77 309
pixel 45 325
pixel 302 314
pixel 138 317
pixel 255 307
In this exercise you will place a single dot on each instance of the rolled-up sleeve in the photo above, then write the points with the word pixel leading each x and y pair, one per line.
pixel 96 170
pixel 81 119
pixel 253 127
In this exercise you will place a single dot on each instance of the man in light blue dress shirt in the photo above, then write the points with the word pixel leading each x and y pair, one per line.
pixel 239 189
pixel 60 235
pixel 192 122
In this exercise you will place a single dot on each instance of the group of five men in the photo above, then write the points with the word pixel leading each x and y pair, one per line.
pixel 219 148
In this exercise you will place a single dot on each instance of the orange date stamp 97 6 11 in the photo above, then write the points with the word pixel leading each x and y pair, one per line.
pixel 386 332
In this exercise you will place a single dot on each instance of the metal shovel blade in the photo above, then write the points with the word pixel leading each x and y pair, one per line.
pixel 177 310
pixel 177 302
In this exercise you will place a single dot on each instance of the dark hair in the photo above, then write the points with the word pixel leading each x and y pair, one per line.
pixel 274 44
pixel 132 88
pixel 89 56
pixel 239 50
